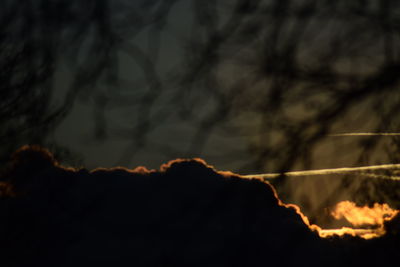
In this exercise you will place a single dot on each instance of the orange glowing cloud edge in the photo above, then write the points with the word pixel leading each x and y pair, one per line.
pixel 369 215
pixel 374 217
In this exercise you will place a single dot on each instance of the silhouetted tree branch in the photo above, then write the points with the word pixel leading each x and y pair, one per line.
pixel 279 76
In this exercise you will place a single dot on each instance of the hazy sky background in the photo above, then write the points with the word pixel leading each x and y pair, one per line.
pixel 225 148
pixel 78 130
pixel 249 86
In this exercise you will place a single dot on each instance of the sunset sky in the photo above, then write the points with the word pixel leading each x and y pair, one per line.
pixel 291 86
pixel 296 98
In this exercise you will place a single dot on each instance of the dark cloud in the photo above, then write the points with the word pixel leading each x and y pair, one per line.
pixel 185 214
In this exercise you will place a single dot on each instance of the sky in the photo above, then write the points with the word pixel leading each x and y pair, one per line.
pixel 102 126
pixel 78 130
pixel 251 87
pixel 282 96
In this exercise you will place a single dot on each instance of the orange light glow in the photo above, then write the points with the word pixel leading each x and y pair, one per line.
pixel 326 233
pixel 364 216
pixel 368 222
pixel 363 233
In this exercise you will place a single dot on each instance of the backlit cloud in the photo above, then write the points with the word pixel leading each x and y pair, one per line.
pixel 185 214
pixel 371 220
pixel 364 216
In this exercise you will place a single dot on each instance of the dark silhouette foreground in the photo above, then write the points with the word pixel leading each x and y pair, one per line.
pixel 186 214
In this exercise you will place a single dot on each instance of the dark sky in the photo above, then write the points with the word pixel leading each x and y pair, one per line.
pixel 101 128
pixel 249 86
